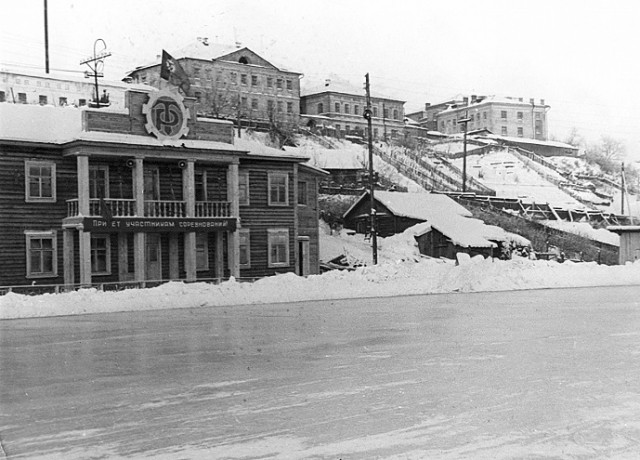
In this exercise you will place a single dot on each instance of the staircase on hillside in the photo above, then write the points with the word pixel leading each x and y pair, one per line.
pixel 437 175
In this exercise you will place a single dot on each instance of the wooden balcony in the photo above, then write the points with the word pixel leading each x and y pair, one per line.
pixel 157 208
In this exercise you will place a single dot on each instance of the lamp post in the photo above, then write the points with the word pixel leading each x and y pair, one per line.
pixel 464 122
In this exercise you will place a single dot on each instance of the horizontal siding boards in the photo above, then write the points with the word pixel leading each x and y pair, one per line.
pixel 259 217
pixel 16 215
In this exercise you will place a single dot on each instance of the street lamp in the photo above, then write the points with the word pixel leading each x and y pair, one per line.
pixel 464 121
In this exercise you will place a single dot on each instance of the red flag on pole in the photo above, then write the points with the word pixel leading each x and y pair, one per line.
pixel 172 71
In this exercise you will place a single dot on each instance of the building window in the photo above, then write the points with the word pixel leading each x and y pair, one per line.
pixel 278 247
pixel 356 110
pixel 100 255
pixel 503 114
pixel 269 82
pixel 280 107
pixel 254 80
pixel 244 237
pixel 278 184
pixel 538 117
pixel 484 115
pixel 82 102
pixel 233 76
pixel 347 109
pixel 320 108
pixel 200 183
pixel 62 101
pixel 2 96
pixel 385 112
pixel 347 129
pixel 42 99
pixel 270 105
pixel 22 98
pixel 289 107
pixel 520 131
pixel 375 111
pixel 42 251
pixel 243 188
pixel 519 116
pixel 338 127
pixel 254 104
pixel 202 251
pixel 98 182
pixel 279 83
pixel 395 114
pixel 289 85
pixel 40 181
pixel 243 102
pixel 243 79
pixel 302 193
pixel 504 130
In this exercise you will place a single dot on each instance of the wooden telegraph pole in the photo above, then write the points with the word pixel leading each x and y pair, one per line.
pixel 368 114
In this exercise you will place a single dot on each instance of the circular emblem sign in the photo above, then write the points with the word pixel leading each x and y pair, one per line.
pixel 166 115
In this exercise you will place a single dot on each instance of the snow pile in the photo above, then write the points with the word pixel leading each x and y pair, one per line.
pixel 387 279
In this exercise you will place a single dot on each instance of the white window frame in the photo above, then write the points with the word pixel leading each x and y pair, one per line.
pixel 270 179
pixel 202 247
pixel 243 176
pixel 244 239
pixel 107 239
pixel 27 179
pixel 305 196
pixel 273 235
pixel 36 235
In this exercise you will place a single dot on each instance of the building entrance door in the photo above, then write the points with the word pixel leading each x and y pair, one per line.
pixel 153 257
pixel 303 256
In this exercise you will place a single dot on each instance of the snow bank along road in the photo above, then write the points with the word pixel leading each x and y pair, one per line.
pixel 544 374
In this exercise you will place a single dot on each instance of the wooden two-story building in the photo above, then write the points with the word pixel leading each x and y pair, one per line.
pixel 149 193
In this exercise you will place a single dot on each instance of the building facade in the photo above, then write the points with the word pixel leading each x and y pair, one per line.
pixel 231 82
pixel 39 88
pixel 337 108
pixel 151 193
pixel 503 116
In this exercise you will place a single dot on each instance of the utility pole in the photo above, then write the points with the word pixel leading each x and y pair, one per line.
pixel 93 63
pixel 372 205
pixel 622 191
pixel 46 37
pixel 464 122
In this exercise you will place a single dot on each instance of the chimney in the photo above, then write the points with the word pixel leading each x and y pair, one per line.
pixel 541 101
pixel 427 105
pixel 473 98
pixel 532 102
pixel 520 99
pixel 465 100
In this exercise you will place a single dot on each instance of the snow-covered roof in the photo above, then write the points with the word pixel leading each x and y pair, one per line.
pixel 525 140
pixel 456 105
pixel 40 123
pixel 343 87
pixel 624 228
pixel 256 148
pixel 206 52
pixel 417 205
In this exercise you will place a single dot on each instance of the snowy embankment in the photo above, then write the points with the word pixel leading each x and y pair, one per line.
pixel 388 279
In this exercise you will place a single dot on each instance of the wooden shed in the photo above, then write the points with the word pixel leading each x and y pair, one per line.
pixel 629 242
pixel 397 211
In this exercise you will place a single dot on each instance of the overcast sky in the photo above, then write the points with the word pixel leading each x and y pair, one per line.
pixel 582 57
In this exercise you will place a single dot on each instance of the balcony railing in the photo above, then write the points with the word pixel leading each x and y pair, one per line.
pixel 156 208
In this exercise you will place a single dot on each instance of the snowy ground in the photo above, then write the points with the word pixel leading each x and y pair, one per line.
pixel 401 270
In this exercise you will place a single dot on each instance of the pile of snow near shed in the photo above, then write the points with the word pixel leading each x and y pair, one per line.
pixel 401 271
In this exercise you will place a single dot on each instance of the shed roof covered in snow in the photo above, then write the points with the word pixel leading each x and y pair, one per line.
pixel 421 206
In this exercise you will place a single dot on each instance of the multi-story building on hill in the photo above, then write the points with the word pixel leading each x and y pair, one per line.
pixel 337 108
pixel 504 116
pixel 33 87
pixel 149 193
pixel 232 82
